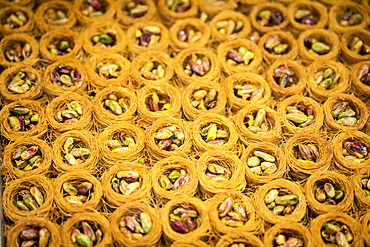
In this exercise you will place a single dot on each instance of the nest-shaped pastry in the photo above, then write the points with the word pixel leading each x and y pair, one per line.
pixel 151 67
pixel 190 98
pixel 365 227
pixel 284 46
pixel 320 89
pixel 95 220
pixel 231 32
pixel 13 132
pixel 309 107
pixel 116 199
pixel 14 233
pixel 10 168
pixel 72 72
pixel 166 93
pixel 23 22
pixel 14 44
pixel 272 7
pixel 360 109
pixel 222 123
pixel 254 178
pixel 12 87
pixel 51 44
pixel 339 182
pixel 167 166
pixel 213 8
pixel 105 10
pixel 150 238
pixel 13 188
pixel 304 166
pixel 186 74
pixel 330 40
pixel 104 37
pixel 261 94
pixel 170 16
pixel 75 178
pixel 219 227
pixel 249 133
pixel 60 104
pixel 248 239
pixel 180 34
pixel 139 33
pixel 287 83
pixel 107 69
pixel 285 186
pixel 189 243
pixel 45 15
pixel 231 51
pixel 354 227
pixel 106 113
pixel 85 155
pixel 361 176
pixel 350 54
pixel 359 79
pixel 349 164
pixel 128 15
pixel 232 177
pixel 290 229
pixel 203 226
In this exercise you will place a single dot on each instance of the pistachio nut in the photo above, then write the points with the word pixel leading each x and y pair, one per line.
pixel 126 182
pixel 179 6
pixel 281 202
pixel 268 18
pixel 93 8
pixel 34 236
pixel 183 219
pixel 197 65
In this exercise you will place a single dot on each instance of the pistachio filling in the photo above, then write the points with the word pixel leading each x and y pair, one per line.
pixel 327 78
pixel 336 234
pixel 300 115
pixel 108 69
pixel 363 74
pixel 174 179
pixel 61 47
pixel 276 45
pixel 270 18
pixel 237 244
pixel 257 121
pixel 248 91
pixel 329 194
pixel 203 16
pixel 345 114
pixel 15 20
pixel 189 34
pixel 148 36
pixel 214 134
pixel 18 51
pixel 66 76
pixel 121 142
pixel 239 57
pixel 126 182
pixel 179 6
pixel 307 152
pixel 366 186
pixel 358 46
pixel 169 138
pixel 356 151
pixel 285 77
pixel 197 65
pixel 183 219
pixel 93 8
pixel 22 82
pixel 77 193
pixel 158 102
pixel 232 212
pixel 285 239
pixel 27 158
pixel 316 46
pixel 262 163
pixel 75 151
pixel 31 199
pixel 107 39
pixel 306 17
pixel 86 234
pixel 116 105
pixel 350 18
pixel 136 9
pixel 153 71
pixel 22 118
pixel 55 16
pixel 70 113
pixel 34 236
pixel 254 37
pixel 218 171
pixel 145 162
pixel 281 202
pixel 135 224
pixel 203 99
pixel 229 27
